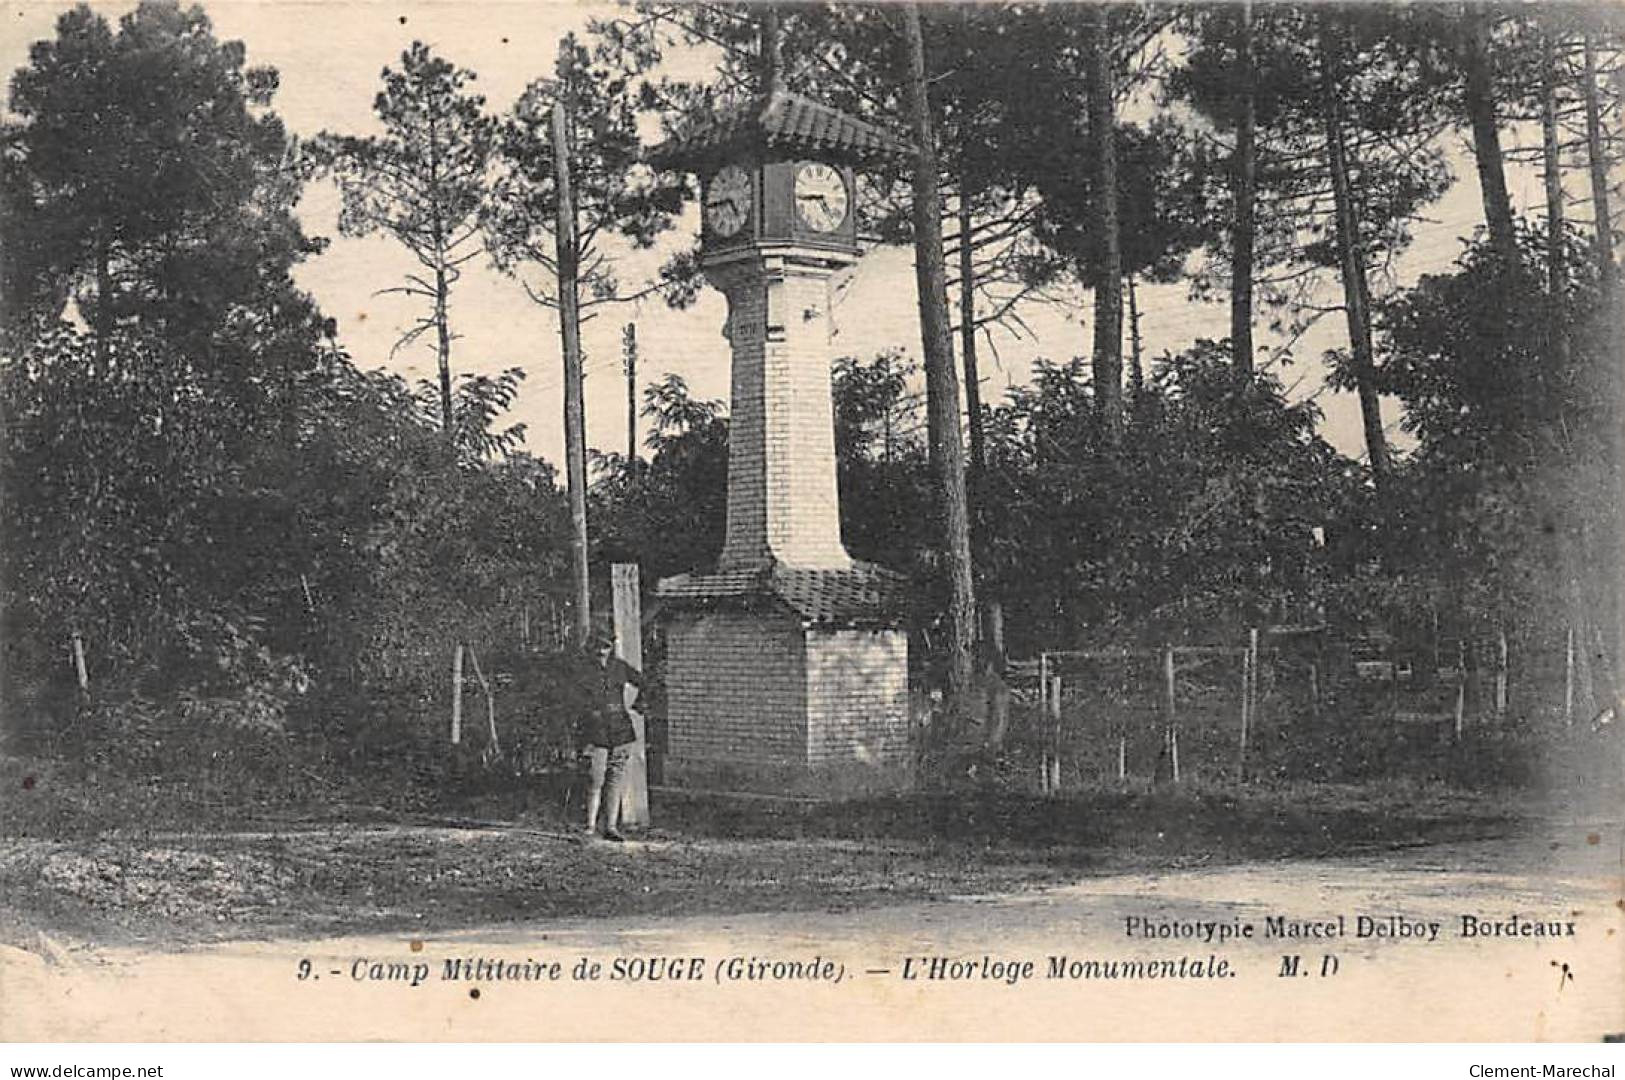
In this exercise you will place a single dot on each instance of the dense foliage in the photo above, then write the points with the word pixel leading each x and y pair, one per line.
pixel 204 497
pixel 214 515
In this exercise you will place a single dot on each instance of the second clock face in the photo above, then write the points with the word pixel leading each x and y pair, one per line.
pixel 821 200
pixel 727 200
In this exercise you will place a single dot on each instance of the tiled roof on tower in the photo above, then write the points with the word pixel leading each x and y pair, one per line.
pixel 785 120
pixel 865 595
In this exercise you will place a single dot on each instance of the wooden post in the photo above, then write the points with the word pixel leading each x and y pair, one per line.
pixel 1043 712
pixel 1393 690
pixel 1253 701
pixel 1249 662
pixel 457 695
pixel 1568 676
pixel 1461 693
pixel 490 702
pixel 1461 688
pixel 1055 736
pixel 995 629
pixel 524 623
pixel 1435 609
pixel 81 673
pixel 1501 673
pixel 629 647
pixel 1122 723
pixel 1314 689
pixel 1171 735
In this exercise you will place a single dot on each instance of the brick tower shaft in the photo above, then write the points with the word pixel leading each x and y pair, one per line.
pixel 783 501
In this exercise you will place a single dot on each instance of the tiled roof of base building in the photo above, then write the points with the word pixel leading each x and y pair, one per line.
pixel 865 595
pixel 781 119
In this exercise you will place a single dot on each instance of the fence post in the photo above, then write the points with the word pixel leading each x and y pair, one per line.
pixel 1501 672
pixel 457 695
pixel 1171 737
pixel 1568 676
pixel 81 675
pixel 1461 688
pixel 1255 710
pixel 1043 713
pixel 1247 660
pixel 490 702
pixel 1055 735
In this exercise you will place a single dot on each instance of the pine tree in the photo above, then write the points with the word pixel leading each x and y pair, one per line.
pixel 425 183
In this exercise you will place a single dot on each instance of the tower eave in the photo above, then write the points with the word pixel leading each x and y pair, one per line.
pixel 865 595
pixel 780 122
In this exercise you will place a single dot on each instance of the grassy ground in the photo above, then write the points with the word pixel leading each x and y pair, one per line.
pixel 97 858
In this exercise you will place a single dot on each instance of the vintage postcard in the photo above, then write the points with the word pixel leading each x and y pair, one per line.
pixel 541 522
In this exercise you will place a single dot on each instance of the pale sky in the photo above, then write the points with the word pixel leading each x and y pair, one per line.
pixel 330 54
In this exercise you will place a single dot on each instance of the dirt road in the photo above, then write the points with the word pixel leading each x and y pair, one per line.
pixel 1062 963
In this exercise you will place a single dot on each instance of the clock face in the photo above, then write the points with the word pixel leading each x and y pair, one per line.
pixel 821 199
pixel 727 200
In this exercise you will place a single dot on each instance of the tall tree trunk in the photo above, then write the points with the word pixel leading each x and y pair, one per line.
pixel 630 347
pixel 967 335
pixel 575 426
pixel 1581 547
pixel 769 47
pixel 974 489
pixel 1556 272
pixel 442 329
pixel 1108 255
pixel 1577 611
pixel 1597 156
pixel 1492 184
pixel 1612 385
pixel 941 380
pixel 1245 181
pixel 1351 256
pixel 442 294
pixel 1136 365
pixel 1591 687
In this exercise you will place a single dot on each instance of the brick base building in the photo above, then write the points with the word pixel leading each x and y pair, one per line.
pixel 787 679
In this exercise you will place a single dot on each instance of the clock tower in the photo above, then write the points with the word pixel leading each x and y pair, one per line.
pixel 787 660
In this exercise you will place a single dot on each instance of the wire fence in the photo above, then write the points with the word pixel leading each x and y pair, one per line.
pixel 1291 705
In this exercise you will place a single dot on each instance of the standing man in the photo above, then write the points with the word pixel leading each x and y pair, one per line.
pixel 610 736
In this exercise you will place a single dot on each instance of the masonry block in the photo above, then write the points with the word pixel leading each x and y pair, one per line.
pixel 760 701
